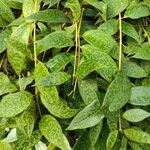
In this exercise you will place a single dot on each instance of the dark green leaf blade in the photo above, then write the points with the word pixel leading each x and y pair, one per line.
pixel 50 16
pixel 88 117
pixel 118 92
pixel 100 39
pixel 55 78
pixel 58 39
pixel 59 61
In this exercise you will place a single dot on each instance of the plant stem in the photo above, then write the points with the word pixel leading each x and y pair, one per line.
pixel 120 44
pixel 35 61
pixel 77 52
pixel 120 58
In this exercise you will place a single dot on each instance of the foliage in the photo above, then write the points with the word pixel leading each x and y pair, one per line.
pixel 74 74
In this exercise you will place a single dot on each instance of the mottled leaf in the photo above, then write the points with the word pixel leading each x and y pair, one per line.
pixel 137 11
pixel 136 115
pixel 52 131
pixel 51 2
pixel 97 4
pixel 108 67
pixel 118 92
pixel 59 61
pixel 129 30
pixel 111 26
pixel 88 89
pixel 6 86
pixel 114 7
pixel 100 39
pixel 5 11
pixel 112 137
pixel 143 52
pixel 75 7
pixel 137 135
pixel 50 16
pixel 28 7
pixel 82 143
pixel 3 38
pixel 86 68
pixel 95 132
pixel 140 95
pixel 58 39
pixel 133 70
pixel 13 104
pixel 49 96
pixel 55 78
pixel 88 117
pixel 24 82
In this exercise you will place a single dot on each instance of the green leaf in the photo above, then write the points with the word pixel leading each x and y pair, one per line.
pixel 52 131
pixel 24 82
pixel 5 146
pixel 114 7
pixel 112 137
pixel 17 48
pixel 75 7
pixel 28 7
pixel 4 35
pixel 5 11
pixel 58 39
pixel 140 95
pixel 82 143
pixel 88 89
pixel 55 78
pixel 50 16
pixel 21 33
pixel 49 96
pixel 88 117
pixel 59 109
pixel 29 142
pixel 136 11
pixel 3 23
pixel 129 30
pixel 118 92
pixel 97 4
pixel 111 26
pixel 135 146
pixel 86 68
pixel 51 2
pixel 100 39
pixel 124 143
pixel 6 86
pixel 25 121
pixel 16 59
pixel 136 115
pixel 133 70
pixel 13 104
pixel 143 52
pixel 108 67
pixel 137 135
pixel 95 132
pixel 59 61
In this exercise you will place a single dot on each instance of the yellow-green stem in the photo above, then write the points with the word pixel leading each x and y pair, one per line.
pixel 120 43
pixel 120 59
pixel 35 60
